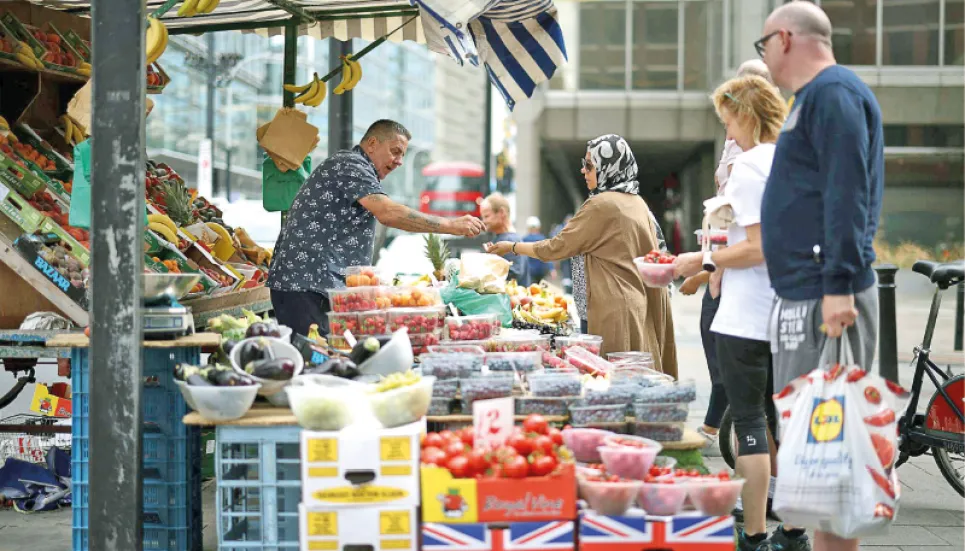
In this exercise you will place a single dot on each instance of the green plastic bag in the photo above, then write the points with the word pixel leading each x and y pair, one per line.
pixel 278 189
pixel 80 193
pixel 471 303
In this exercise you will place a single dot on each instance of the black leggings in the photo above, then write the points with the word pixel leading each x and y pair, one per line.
pixel 718 398
pixel 745 368
pixel 300 309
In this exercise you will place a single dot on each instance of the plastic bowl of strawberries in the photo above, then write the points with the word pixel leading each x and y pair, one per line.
pixel 656 268
pixel 607 493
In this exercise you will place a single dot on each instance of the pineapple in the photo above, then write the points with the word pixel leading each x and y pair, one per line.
pixel 178 203
pixel 438 253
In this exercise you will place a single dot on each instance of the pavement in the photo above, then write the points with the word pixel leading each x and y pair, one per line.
pixel 931 517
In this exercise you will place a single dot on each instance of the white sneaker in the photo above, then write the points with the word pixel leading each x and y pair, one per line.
pixel 710 449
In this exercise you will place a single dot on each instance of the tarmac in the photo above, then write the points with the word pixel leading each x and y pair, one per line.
pixel 931 515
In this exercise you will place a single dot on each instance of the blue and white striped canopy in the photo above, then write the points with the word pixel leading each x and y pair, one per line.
pixel 519 42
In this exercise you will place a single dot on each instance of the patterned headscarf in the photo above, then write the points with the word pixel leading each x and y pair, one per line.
pixel 616 167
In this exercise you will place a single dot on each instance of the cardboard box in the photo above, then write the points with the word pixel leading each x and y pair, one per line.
pixel 553 535
pixel 364 467
pixel 637 532
pixel 29 251
pixel 467 500
pixel 19 210
pixel 336 529
pixel 48 404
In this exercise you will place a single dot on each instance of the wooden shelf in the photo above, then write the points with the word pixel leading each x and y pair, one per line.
pixel 200 340
pixel 7 65
pixel 461 418
pixel 256 417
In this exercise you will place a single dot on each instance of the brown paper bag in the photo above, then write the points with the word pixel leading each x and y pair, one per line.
pixel 79 107
pixel 289 136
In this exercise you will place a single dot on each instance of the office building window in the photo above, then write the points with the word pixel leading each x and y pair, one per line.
pixel 854 24
pixel 910 32
pixel 699 59
pixel 954 32
pixel 603 45
pixel 654 50
pixel 918 135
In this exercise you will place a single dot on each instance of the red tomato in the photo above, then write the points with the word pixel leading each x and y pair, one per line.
pixel 459 466
pixel 433 440
pixel 536 423
pixel 467 436
pixel 446 434
pixel 515 467
pixel 542 465
pixel 521 444
pixel 454 448
pixel 543 444
pixel 881 419
pixel 556 435
pixel 478 462
pixel 434 456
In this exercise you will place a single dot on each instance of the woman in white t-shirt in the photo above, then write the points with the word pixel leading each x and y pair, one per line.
pixel 753 112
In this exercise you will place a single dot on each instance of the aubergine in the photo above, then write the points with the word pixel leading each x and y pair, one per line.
pixel 227 345
pixel 193 376
pixel 257 329
pixel 345 369
pixel 280 369
pixel 364 349
pixel 253 351
pixel 227 377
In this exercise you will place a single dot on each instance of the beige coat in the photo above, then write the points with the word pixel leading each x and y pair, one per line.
pixel 610 230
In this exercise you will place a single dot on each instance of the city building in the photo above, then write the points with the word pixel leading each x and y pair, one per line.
pixel 645 68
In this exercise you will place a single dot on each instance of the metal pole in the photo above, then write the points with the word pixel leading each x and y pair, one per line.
pixel 959 317
pixel 339 107
pixel 227 173
pixel 117 216
pixel 288 75
pixel 211 72
pixel 887 326
pixel 488 135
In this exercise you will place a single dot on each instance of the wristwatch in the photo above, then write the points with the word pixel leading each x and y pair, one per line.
pixel 709 265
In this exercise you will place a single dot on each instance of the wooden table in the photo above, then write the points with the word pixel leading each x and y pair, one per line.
pixel 256 417
pixel 199 340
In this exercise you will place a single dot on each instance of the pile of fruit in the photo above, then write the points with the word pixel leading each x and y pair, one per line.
pixel 401 398
pixel 211 375
pixel 57 52
pixel 656 268
pixel 65 264
pixel 258 359
pixel 362 276
pixel 534 449
pixel 536 307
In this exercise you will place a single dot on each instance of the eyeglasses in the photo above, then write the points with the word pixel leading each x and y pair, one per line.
pixel 586 165
pixel 761 43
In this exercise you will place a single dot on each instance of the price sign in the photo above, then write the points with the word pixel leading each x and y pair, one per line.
pixel 492 422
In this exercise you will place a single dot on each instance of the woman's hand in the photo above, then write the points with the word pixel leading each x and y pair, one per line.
pixel 500 249
pixel 688 264
pixel 715 279
pixel 693 283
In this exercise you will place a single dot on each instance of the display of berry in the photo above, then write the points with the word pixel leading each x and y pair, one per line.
pixel 485 387
pixel 439 405
pixel 643 378
pixel 676 393
pixel 585 415
pixel 446 388
pixel 592 343
pixel 622 394
pixel 555 384
pixel 478 348
pixel 608 494
pixel 660 413
pixel 338 323
pixel 421 343
pixel 372 323
pixel 472 328
pixel 521 344
pixel 450 366
pixel 402 297
pixel 418 320
pixel 543 406
pixel 552 330
pixel 356 299
pixel 587 362
pixel 660 432
pixel 518 362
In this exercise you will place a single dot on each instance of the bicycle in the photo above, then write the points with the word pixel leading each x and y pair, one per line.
pixel 941 429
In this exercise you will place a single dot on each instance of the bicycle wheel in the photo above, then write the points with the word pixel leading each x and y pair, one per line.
pixel 952 468
pixel 727 440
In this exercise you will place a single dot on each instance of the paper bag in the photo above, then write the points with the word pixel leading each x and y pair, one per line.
pixel 289 137
pixel 79 107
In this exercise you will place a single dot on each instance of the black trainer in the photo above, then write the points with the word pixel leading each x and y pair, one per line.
pixel 746 544
pixel 782 541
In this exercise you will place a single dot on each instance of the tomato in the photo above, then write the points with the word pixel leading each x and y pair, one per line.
pixel 693 473
pixel 478 462
pixel 433 440
pixel 872 395
pixel 524 446
pixel 454 448
pixel 881 419
pixel 556 435
pixel 884 449
pixel 723 475
pixel 515 467
pixel 446 434
pixel 536 423
pixel 434 456
pixel 467 436
pixel 459 466
pixel 542 465
pixel 544 444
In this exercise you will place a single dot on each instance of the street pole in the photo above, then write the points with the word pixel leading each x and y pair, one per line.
pixel 887 324
pixel 211 71
pixel 339 107
pixel 117 221
pixel 959 316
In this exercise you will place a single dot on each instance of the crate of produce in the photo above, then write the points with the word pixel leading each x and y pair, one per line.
pixel 677 392
pixel 660 413
pixel 593 343
pixel 16 173
pixel 660 432
pixel 514 362
pixel 450 366
pixel 157 78
pixel 259 487
pixel 19 210
pixel 472 328
pixel 418 320
pixel 358 299
pixel 70 237
pixel 414 297
pixel 48 158
pixel 373 323
pixel 57 265
pixel 47 46
pixel 422 342
pixel 82 46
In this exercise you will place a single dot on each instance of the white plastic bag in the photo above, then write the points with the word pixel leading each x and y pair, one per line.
pixel 483 273
pixel 838 448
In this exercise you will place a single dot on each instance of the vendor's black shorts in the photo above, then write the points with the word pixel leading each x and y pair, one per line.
pixel 746 371
pixel 300 309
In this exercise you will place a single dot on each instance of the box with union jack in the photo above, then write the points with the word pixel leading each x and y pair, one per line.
pixel 555 535
pixel 685 532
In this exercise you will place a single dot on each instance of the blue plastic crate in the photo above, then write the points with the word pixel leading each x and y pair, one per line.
pixel 165 539
pixel 259 487
pixel 164 494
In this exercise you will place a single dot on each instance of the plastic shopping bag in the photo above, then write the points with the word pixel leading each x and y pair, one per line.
pixel 838 449
pixel 484 273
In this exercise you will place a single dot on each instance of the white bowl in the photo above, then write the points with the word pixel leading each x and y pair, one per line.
pixel 270 389
pixel 395 356
pixel 340 401
pixel 285 333
pixel 403 405
pixel 219 403
pixel 654 275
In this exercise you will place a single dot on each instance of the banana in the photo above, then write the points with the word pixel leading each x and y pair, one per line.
pixel 83 71
pixel 164 220
pixel 188 9
pixel 219 229
pixel 78 134
pixel 343 86
pixel 207 6
pixel 68 129
pixel 294 89
pixel 163 231
pixel 319 96
pixel 311 92
pixel 156 39
pixel 84 65
pixel 4 125
pixel 26 60
pixel 356 72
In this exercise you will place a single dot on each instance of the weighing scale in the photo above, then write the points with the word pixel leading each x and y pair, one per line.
pixel 164 317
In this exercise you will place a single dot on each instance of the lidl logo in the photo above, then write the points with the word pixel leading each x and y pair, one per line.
pixel 827 420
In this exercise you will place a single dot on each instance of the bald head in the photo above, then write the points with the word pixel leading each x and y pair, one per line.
pixel 754 67
pixel 803 19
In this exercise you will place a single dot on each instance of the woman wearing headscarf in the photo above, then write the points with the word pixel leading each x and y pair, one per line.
pixel 613 227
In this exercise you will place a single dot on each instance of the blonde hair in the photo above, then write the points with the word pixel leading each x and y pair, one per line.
pixel 497 202
pixel 752 97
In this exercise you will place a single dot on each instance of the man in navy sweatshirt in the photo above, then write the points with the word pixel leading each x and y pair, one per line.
pixel 822 203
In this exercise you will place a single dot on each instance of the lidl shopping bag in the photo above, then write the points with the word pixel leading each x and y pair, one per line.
pixel 838 448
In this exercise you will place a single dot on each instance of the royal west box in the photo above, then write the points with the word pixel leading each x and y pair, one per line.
pixel 551 535
pixel 371 528
pixel 468 500
pixel 362 467
pixel 685 532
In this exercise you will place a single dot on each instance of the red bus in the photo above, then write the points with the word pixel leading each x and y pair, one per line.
pixel 453 189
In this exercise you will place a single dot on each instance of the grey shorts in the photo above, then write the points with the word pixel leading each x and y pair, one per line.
pixel 797 341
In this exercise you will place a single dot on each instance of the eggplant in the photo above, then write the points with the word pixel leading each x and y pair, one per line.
pixel 257 329
pixel 179 372
pixel 280 369
pixel 346 369
pixel 194 377
pixel 253 351
pixel 364 349
pixel 272 330
pixel 228 377
pixel 227 345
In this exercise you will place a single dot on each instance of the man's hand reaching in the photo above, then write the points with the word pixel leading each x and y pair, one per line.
pixel 465 226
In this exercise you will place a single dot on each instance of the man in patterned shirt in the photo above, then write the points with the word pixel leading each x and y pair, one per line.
pixel 331 225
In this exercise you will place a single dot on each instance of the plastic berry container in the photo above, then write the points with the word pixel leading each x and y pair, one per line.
pixel 676 392
pixel 485 387
pixel 418 320
pixel 521 343
pixel 450 366
pixel 661 413
pixel 472 328
pixel 439 405
pixel 629 462
pixel 557 407
pixel 372 323
pixel 422 342
pixel 450 347
pixel 584 443
pixel 609 498
pixel 354 299
pixel 587 415
pixel 446 388
pixel 514 362
pixel 715 497
pixel 663 497
pixel 622 394
pixel 587 362
pixel 593 343
pixel 362 276
pixel 339 323
pixel 555 384
pixel 659 432
pixel 414 297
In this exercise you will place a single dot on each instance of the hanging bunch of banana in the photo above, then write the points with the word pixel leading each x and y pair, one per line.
pixel 74 132
pixel 190 8
pixel 351 75
pixel 25 55
pixel 157 39
pixel 83 68
pixel 311 94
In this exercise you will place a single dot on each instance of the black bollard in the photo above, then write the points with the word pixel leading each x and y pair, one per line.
pixel 959 316
pixel 887 326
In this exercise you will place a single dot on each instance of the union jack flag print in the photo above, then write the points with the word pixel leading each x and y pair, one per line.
pixel 681 533
pixel 516 536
